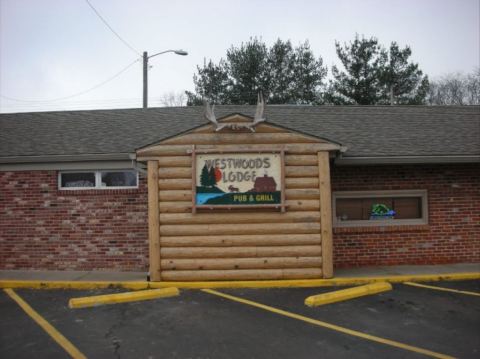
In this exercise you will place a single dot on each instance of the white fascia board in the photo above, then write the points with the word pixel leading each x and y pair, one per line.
pixel 67 158
pixel 69 166
pixel 394 160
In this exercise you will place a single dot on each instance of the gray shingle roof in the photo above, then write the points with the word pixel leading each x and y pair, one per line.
pixel 367 131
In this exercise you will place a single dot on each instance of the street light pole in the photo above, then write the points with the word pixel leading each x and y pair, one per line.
pixel 145 71
pixel 145 79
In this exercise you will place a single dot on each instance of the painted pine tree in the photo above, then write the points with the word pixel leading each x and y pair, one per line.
pixel 211 177
pixel 205 177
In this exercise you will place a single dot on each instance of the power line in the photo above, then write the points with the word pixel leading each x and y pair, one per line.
pixel 111 29
pixel 78 93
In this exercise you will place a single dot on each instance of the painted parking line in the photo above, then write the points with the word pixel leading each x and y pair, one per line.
pixel 54 333
pixel 330 326
pixel 442 289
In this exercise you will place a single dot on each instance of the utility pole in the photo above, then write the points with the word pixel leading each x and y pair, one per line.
pixel 145 79
pixel 145 71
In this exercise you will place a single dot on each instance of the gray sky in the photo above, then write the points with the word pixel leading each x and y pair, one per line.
pixel 51 49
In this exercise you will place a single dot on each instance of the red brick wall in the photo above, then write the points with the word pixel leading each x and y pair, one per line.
pixel 44 228
pixel 451 236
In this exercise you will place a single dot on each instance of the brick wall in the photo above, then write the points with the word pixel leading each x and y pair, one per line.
pixel 42 227
pixel 451 236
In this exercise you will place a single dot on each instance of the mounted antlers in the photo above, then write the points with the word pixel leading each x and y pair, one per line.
pixel 258 118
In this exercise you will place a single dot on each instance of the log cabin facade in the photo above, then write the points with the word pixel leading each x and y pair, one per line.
pixel 114 189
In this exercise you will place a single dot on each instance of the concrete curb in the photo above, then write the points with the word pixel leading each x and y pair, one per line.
pixel 347 294
pixel 96 300
pixel 299 283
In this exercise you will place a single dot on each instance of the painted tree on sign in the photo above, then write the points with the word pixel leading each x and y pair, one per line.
pixel 205 177
pixel 211 177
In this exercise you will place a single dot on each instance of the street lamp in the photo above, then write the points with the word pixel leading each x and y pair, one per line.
pixel 145 71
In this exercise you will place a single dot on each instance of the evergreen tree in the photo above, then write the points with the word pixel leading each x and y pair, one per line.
pixel 402 81
pixel 211 83
pixel 360 82
pixel 308 73
pixel 284 74
pixel 373 75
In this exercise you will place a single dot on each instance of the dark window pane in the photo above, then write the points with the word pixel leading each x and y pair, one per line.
pixel 349 209
pixel 86 179
pixel 119 179
pixel 408 207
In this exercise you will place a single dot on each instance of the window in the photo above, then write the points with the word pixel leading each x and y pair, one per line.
pixel 119 179
pixel 98 179
pixel 380 208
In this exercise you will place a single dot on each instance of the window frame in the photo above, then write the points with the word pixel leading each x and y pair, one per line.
pixel 98 180
pixel 423 194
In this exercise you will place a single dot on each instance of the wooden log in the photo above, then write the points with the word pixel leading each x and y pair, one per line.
pixel 290 148
pixel 326 213
pixel 301 171
pixel 240 252
pixel 175 207
pixel 243 274
pixel 173 184
pixel 175 161
pixel 292 205
pixel 262 128
pixel 241 240
pixel 153 221
pixel 238 138
pixel 175 172
pixel 308 182
pixel 236 218
pixel 241 263
pixel 230 229
pixel 176 195
pixel 301 160
pixel 303 205
pixel 304 193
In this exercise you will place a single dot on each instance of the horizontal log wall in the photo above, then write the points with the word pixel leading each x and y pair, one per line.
pixel 239 244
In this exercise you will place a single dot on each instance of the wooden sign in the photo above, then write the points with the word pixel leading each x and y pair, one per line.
pixel 234 180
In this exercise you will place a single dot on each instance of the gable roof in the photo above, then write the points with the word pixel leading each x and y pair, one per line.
pixel 367 131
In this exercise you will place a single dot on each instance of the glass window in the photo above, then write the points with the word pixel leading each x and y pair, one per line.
pixel 80 179
pixel 98 179
pixel 380 207
pixel 119 179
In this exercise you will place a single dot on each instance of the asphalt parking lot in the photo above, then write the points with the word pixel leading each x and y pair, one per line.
pixel 199 324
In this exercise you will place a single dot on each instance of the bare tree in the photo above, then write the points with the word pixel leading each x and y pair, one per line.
pixel 173 99
pixel 455 89
pixel 473 87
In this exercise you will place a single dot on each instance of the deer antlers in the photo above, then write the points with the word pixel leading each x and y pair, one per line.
pixel 258 118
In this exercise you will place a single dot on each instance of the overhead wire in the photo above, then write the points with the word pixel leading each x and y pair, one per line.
pixel 75 94
pixel 32 103
pixel 111 29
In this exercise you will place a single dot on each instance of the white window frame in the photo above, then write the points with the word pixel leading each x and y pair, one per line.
pixel 98 180
pixel 380 222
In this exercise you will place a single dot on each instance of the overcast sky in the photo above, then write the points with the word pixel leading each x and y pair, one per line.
pixel 52 49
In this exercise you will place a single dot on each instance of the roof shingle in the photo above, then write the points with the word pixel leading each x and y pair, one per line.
pixel 367 131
